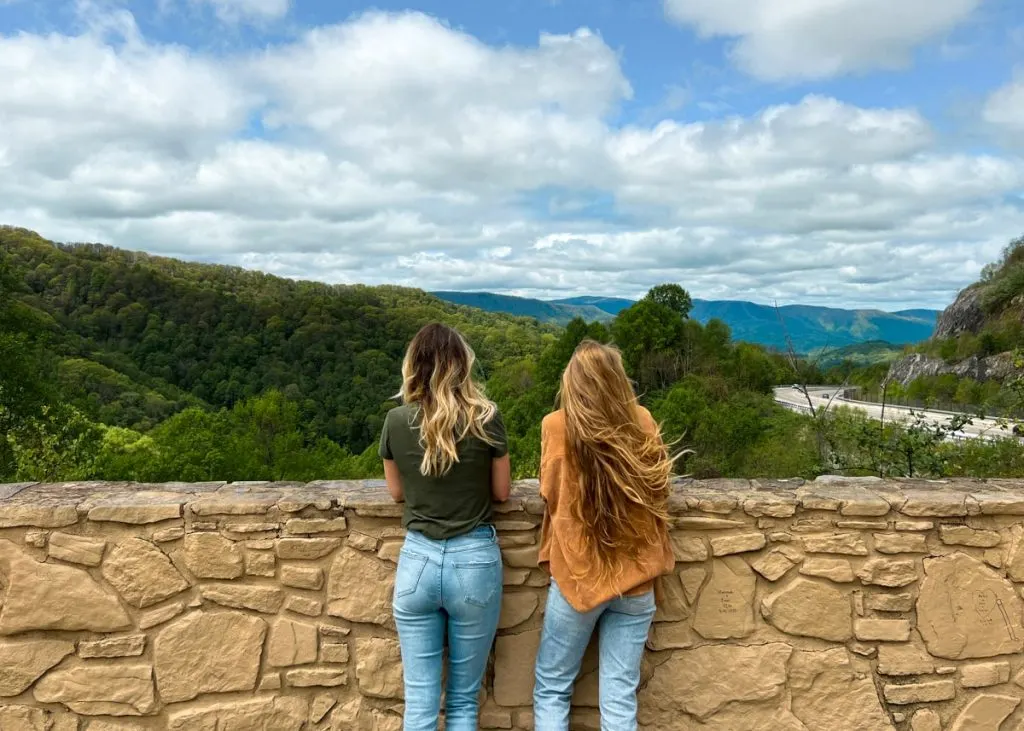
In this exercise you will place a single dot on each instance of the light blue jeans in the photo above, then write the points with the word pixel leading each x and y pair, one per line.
pixel 622 626
pixel 446 588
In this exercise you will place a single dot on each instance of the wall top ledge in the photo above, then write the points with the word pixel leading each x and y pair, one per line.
pixel 51 505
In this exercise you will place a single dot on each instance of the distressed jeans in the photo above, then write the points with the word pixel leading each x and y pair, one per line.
pixel 446 589
pixel 622 626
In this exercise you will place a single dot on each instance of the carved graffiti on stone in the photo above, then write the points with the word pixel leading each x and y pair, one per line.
pixel 725 608
pixel 967 610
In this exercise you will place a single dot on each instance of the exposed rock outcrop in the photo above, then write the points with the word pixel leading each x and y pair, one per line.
pixel 916 365
pixel 966 314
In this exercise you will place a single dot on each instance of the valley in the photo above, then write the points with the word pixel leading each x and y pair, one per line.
pixel 125 366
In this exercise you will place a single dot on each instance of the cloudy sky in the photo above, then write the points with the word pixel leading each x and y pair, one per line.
pixel 842 152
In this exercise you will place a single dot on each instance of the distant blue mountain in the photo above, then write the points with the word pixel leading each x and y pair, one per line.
pixel 555 312
pixel 611 305
pixel 809 327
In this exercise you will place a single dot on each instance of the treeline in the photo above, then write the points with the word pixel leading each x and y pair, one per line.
pixel 138 337
pixel 123 366
pixel 712 395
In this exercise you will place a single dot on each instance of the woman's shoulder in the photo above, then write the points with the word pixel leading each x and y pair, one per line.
pixel 398 415
pixel 647 420
pixel 554 422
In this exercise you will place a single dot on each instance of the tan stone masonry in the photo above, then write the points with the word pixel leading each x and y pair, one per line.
pixel 835 605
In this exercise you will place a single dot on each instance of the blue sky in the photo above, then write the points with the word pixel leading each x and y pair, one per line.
pixel 842 152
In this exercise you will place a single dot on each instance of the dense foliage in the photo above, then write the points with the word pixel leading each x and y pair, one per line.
pixel 125 366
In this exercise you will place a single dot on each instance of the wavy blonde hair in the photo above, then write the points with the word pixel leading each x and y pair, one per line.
pixel 437 379
pixel 624 469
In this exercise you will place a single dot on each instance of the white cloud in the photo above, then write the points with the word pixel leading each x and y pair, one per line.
pixel 811 39
pixel 1004 109
pixel 401 150
pixel 248 11
pixel 406 95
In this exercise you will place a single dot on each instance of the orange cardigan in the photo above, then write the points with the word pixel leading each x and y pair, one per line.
pixel 560 546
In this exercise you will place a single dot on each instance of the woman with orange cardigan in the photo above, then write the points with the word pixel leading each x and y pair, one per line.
pixel 605 478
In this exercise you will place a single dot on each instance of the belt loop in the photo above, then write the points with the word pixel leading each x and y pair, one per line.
pixel 494 532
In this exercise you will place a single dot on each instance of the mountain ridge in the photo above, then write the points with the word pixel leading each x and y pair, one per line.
pixel 809 327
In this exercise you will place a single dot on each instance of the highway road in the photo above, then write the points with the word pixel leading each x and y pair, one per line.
pixel 793 398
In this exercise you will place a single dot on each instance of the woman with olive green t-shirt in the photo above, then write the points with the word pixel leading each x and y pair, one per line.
pixel 445 456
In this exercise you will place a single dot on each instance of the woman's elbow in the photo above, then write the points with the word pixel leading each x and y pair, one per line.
pixel 501 493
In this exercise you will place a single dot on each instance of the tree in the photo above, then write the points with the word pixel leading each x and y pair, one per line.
pixel 25 374
pixel 645 333
pixel 672 296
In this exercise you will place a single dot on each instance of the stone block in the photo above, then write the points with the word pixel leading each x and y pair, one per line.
pixel 43 596
pixel 266 599
pixel 76 549
pixel 308 549
pixel 838 570
pixel 900 602
pixel 741 543
pixel 966 610
pixel 725 607
pixel 100 690
pixel 379 668
pixel 850 544
pixel 127 646
pixel 881 630
pixel 211 556
pixel 260 563
pixel 512 653
pixel 22 662
pixel 302 577
pixel 984 674
pixel 900 543
pixel 889 572
pixel 688 549
pixel 961 535
pixel 516 608
pixel 359 588
pixel 291 643
pixel 301 526
pixel 809 608
pixel 208 652
pixel 773 565
pixel 928 691
pixel 987 711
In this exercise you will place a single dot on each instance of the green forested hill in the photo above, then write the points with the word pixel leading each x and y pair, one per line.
pixel 140 337
pixel 122 366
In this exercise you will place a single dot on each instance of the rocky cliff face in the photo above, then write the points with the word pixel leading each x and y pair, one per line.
pixel 995 367
pixel 964 315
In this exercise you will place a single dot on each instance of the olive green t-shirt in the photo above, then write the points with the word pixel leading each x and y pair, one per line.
pixel 455 503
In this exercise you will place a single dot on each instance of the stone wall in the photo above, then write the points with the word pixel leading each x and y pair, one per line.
pixel 837 605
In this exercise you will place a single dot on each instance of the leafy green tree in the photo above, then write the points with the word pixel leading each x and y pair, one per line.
pixel 59 444
pixel 650 335
pixel 191 447
pixel 672 296
pixel 125 454
pixel 26 370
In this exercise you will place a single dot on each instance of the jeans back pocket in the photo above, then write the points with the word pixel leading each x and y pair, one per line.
pixel 407 576
pixel 480 580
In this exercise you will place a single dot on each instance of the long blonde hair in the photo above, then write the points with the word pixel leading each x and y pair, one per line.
pixel 437 379
pixel 624 470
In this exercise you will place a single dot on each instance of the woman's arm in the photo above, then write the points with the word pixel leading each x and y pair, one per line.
pixel 501 478
pixel 394 480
